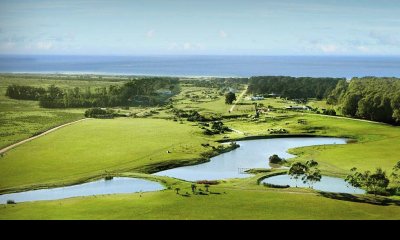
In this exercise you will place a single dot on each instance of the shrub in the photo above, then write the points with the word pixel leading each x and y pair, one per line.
pixel 275 159
pixel 208 182
pixel 99 113
pixel 107 178
pixel 275 186
pixel 10 201
pixel 331 112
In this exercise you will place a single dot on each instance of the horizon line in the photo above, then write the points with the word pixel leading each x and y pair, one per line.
pixel 193 55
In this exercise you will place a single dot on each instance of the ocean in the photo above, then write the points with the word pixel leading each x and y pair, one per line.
pixel 218 66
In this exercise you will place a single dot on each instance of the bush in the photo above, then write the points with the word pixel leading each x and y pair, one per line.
pixel 331 112
pixel 275 186
pixel 10 201
pixel 99 113
pixel 275 159
pixel 207 182
pixel 107 178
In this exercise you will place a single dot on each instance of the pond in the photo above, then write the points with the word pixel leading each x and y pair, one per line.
pixel 116 185
pixel 251 154
pixel 327 184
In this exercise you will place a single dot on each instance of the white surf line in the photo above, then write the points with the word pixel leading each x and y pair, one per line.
pixel 238 99
pixel 40 135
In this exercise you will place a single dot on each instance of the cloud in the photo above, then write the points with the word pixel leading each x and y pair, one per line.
pixel 150 33
pixel 44 45
pixel 67 37
pixel 5 46
pixel 382 38
pixel 187 46
pixel 363 49
pixel 328 48
pixel 222 34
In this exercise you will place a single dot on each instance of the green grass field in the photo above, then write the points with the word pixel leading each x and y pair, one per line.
pixel 231 203
pixel 136 146
pixel 22 119
pixel 90 148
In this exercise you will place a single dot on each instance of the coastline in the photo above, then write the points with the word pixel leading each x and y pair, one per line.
pixel 110 74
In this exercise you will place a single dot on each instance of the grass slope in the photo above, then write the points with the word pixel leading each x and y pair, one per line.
pixel 233 204
pixel 89 148
pixel 21 119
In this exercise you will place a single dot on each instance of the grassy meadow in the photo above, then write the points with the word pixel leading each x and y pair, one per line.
pixel 23 119
pixel 137 146
pixel 89 148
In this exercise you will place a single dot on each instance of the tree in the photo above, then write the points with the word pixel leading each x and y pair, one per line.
pixel 396 107
pixel 206 186
pixel 396 175
pixel 378 180
pixel 177 190
pixel 275 159
pixel 230 97
pixel 354 179
pixel 193 186
pixel 350 104
pixel 312 173
pixel 372 182
pixel 297 170
pixel 312 176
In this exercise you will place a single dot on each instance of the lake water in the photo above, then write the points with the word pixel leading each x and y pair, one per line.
pixel 251 154
pixel 116 185
pixel 237 66
pixel 327 184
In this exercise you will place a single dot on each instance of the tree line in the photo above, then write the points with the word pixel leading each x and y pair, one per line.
pixel 371 98
pixel 292 87
pixel 134 92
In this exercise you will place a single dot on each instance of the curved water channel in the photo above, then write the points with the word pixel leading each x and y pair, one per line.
pixel 250 154
pixel 116 185
pixel 327 184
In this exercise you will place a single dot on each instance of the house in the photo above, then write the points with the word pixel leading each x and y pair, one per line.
pixel 255 98
pixel 298 108
pixel 273 95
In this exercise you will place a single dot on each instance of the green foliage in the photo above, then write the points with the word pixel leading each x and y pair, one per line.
pixel 221 84
pixel 275 159
pixel 354 179
pixel 291 87
pixel 330 112
pixel 230 97
pixel 308 172
pixel 297 170
pixel 376 182
pixel 336 95
pixel 376 99
pixel 135 92
pixel 99 113
pixel 350 104
pixel 396 175
pixel 217 127
pixel 24 92
pixel 193 187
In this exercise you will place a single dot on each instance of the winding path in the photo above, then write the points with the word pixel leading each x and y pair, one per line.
pixel 239 99
pixel 3 150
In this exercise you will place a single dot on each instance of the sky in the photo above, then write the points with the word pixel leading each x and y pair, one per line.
pixel 206 27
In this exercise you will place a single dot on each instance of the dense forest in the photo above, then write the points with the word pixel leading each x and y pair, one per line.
pixel 222 84
pixel 376 99
pixel 134 92
pixel 292 87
